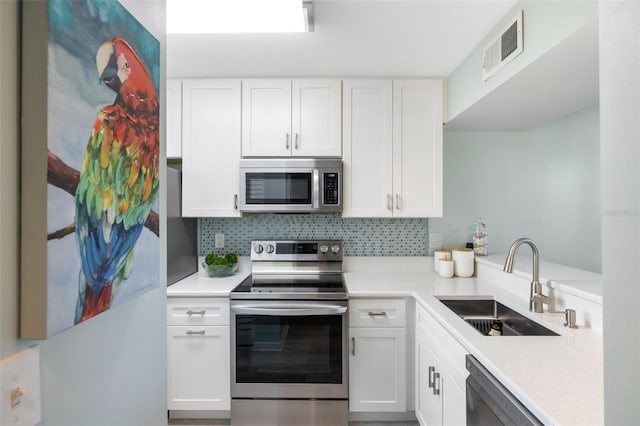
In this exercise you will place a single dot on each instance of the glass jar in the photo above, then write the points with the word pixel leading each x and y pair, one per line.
pixel 479 234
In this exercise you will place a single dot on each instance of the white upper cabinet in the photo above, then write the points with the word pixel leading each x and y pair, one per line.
pixel 368 150
pixel 316 118
pixel 417 148
pixel 211 147
pixel 392 148
pixel 300 118
pixel 174 119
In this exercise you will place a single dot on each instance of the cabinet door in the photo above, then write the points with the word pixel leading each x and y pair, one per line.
pixel 454 402
pixel 428 403
pixel 377 369
pixel 198 368
pixel 211 147
pixel 316 118
pixel 266 118
pixel 367 148
pixel 174 119
pixel 417 148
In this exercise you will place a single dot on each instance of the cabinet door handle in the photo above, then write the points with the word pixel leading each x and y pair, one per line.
pixel 389 202
pixel 353 346
pixel 190 332
pixel 201 312
pixel 286 141
pixel 377 314
pixel 431 371
pixel 297 138
pixel 397 201
pixel 436 384
pixel 235 201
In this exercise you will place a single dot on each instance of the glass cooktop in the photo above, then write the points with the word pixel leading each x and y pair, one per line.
pixel 292 286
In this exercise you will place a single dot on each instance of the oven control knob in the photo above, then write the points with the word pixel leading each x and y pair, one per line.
pixel 335 249
pixel 258 248
pixel 269 249
pixel 324 248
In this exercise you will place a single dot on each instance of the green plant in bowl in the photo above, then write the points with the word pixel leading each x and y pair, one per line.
pixel 220 266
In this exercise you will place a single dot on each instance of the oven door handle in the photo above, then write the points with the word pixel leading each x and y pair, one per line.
pixel 292 310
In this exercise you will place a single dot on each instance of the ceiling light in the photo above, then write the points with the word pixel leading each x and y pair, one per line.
pixel 236 16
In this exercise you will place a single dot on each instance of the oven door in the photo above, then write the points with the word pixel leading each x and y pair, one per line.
pixel 289 349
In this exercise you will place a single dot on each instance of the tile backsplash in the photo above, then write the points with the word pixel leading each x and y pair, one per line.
pixel 362 236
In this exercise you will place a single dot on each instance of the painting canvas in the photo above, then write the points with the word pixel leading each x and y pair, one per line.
pixel 101 142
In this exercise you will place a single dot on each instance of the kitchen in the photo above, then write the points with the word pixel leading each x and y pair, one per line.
pixel 145 380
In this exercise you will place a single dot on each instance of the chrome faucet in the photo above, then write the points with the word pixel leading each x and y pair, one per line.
pixel 536 298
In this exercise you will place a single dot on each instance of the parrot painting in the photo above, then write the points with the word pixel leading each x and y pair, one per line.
pixel 119 179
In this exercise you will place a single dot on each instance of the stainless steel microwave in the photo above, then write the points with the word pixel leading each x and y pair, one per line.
pixel 293 185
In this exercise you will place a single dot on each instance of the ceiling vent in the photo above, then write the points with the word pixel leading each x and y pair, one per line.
pixel 503 48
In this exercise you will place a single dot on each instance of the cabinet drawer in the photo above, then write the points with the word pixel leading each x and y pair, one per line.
pixel 198 311
pixel 377 313
pixel 446 348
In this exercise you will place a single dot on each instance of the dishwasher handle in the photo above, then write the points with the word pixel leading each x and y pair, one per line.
pixel 289 310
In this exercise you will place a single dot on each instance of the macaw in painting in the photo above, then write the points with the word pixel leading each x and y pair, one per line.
pixel 119 179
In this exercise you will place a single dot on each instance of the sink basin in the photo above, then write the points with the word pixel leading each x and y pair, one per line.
pixel 480 313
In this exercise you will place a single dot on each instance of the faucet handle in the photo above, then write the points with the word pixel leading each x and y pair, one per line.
pixel 537 302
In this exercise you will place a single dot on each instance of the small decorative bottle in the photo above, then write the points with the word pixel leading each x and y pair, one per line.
pixel 479 233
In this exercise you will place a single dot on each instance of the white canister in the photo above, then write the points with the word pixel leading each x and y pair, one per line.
pixel 463 262
pixel 445 268
pixel 439 255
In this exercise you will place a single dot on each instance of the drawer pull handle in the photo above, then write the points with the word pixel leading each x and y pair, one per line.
pixel 431 380
pixel 377 314
pixel 436 384
pixel 353 346
pixel 190 332
pixel 201 312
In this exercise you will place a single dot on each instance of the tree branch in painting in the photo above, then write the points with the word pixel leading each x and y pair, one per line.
pixel 62 176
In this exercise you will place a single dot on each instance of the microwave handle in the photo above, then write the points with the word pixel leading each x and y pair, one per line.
pixel 289 310
pixel 315 197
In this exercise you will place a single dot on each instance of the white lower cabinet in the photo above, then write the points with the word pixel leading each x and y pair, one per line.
pixel 377 357
pixel 198 355
pixel 440 389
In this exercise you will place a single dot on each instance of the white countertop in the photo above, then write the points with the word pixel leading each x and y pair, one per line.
pixel 201 284
pixel 558 378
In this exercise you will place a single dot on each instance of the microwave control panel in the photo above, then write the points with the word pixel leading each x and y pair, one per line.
pixel 331 188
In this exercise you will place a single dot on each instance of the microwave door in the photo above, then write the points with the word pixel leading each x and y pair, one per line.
pixel 277 191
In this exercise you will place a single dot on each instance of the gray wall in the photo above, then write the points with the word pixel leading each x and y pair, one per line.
pixel 110 370
pixel 542 183
pixel 620 165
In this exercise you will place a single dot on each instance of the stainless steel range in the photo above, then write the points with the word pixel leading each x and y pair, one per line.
pixel 289 336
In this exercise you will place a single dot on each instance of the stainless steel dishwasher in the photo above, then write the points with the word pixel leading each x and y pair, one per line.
pixel 490 403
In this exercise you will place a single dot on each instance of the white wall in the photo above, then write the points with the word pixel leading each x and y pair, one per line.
pixel 542 183
pixel 110 370
pixel 545 23
pixel 620 165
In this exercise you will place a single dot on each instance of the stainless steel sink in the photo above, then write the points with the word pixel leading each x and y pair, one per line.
pixel 481 313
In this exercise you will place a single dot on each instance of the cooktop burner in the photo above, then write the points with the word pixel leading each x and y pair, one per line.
pixel 294 270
